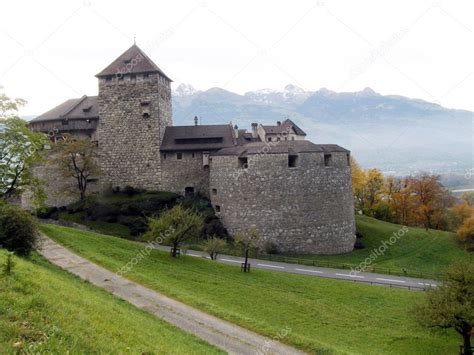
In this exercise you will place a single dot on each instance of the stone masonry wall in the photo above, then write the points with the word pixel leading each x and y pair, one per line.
pixel 60 190
pixel 129 143
pixel 306 209
pixel 189 171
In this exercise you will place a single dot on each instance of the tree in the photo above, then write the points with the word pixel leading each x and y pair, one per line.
pixel 430 198
pixel 468 197
pixel 367 187
pixel 400 201
pixel 466 233
pixel 213 246
pixel 19 150
pixel 459 214
pixel 358 183
pixel 249 239
pixel 18 230
pixel 177 225
pixel 77 159
pixel 451 305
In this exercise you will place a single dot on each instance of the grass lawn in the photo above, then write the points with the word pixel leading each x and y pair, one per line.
pixel 417 251
pixel 46 310
pixel 338 317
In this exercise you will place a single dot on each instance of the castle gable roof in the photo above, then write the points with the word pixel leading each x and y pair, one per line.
pixel 282 147
pixel 285 126
pixel 202 137
pixel 132 61
pixel 85 107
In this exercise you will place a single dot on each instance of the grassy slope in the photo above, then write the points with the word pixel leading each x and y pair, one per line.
pixel 55 312
pixel 339 316
pixel 416 251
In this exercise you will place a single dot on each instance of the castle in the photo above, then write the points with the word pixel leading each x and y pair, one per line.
pixel 298 194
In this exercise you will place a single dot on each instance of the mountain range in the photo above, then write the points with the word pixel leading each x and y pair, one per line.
pixel 397 134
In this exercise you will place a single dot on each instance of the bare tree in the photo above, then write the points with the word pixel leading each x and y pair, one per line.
pixel 77 159
pixel 249 239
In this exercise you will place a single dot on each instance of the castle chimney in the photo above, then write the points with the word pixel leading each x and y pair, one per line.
pixel 278 123
pixel 195 120
pixel 236 131
pixel 254 130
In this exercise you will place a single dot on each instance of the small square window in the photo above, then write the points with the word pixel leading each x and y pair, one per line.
pixel 192 155
pixel 214 191
pixel 179 156
pixel 108 78
pixel 218 208
pixel 164 156
pixel 243 163
pixel 269 139
pixel 292 161
pixel 327 159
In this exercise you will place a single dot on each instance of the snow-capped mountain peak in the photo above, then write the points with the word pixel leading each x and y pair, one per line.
pixel 184 90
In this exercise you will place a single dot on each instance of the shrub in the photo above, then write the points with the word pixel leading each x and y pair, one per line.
pixel 271 248
pixel 49 212
pixel 214 226
pixel 213 246
pixel 18 230
pixel 466 233
pixel 8 264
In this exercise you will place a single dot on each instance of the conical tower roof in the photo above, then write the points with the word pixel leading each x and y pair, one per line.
pixel 132 61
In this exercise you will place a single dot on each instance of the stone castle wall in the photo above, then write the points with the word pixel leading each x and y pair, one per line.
pixel 189 171
pixel 60 190
pixel 306 209
pixel 129 142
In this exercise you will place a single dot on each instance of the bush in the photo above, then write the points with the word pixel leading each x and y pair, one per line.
pixel 466 233
pixel 271 248
pixel 18 230
pixel 214 226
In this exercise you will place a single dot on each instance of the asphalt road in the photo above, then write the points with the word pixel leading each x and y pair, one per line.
pixel 364 277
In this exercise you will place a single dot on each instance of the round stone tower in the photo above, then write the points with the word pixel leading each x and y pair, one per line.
pixel 298 194
pixel 134 109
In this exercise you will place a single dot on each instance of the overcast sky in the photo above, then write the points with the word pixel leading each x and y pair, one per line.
pixel 51 50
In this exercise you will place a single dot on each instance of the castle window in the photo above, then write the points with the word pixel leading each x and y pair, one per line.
pixel 243 163
pixel 292 138
pixel 269 139
pixel 108 78
pixel 327 159
pixel 292 161
pixel 179 156
pixel 145 108
pixel 192 155
pixel 214 191
pixel 146 76
pixel 164 156
pixel 189 191
pixel 218 208
pixel 348 156
pixel 65 122
pixel 278 139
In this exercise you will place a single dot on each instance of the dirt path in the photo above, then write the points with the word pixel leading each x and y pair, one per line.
pixel 220 333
